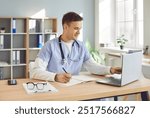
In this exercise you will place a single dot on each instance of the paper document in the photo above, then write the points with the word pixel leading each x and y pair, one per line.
pixel 77 79
pixel 47 88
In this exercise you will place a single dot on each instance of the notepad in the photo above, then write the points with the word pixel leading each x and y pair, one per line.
pixel 47 88
pixel 77 79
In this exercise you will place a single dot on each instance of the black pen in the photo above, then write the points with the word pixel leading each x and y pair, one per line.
pixel 64 70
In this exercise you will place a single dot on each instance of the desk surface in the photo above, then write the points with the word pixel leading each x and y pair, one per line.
pixel 83 91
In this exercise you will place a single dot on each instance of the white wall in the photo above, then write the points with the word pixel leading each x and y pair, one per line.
pixel 53 8
pixel 147 23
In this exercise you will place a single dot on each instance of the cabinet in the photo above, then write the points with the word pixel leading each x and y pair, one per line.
pixel 20 41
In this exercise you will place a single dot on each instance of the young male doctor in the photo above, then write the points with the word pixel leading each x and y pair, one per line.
pixel 64 56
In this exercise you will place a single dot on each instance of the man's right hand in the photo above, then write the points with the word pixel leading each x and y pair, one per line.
pixel 115 70
pixel 63 78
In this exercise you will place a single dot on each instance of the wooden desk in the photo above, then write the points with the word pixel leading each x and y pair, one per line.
pixel 84 91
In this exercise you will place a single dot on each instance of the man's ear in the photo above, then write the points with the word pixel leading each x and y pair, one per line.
pixel 65 26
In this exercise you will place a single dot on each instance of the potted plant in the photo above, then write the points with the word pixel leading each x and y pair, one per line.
pixel 121 41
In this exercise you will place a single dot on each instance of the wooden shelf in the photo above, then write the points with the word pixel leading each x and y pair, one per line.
pixel 23 42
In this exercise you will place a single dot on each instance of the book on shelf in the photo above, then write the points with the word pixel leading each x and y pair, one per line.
pixel 40 41
pixel 32 26
pixel 16 57
pixel 14 25
pixel 38 26
pixel 1 41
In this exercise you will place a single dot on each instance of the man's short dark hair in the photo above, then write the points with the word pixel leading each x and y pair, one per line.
pixel 70 17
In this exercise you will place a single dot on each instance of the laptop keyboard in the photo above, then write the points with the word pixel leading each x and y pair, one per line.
pixel 113 81
pixel 116 76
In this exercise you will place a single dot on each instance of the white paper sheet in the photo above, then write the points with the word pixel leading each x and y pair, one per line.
pixel 47 88
pixel 77 79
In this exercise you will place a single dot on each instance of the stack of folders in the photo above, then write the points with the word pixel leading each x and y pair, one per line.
pixel 16 57
pixel 1 41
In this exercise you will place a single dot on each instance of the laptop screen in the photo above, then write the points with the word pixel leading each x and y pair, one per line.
pixel 131 67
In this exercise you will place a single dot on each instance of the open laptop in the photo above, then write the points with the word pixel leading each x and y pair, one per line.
pixel 131 70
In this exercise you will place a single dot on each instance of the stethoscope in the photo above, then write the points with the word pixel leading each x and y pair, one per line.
pixel 63 61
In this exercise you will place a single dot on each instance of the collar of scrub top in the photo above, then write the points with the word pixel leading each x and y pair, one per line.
pixel 61 50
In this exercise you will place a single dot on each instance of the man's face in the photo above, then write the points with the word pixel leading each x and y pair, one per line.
pixel 72 30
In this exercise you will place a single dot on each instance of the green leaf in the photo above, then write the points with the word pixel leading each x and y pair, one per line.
pixel 99 58
pixel 121 40
pixel 88 45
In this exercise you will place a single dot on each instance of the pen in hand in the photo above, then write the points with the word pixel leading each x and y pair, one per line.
pixel 64 70
pixel 68 74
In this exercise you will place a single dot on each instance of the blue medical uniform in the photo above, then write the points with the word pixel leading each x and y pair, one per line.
pixel 74 60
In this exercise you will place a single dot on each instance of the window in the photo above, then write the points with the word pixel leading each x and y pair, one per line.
pixel 117 17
